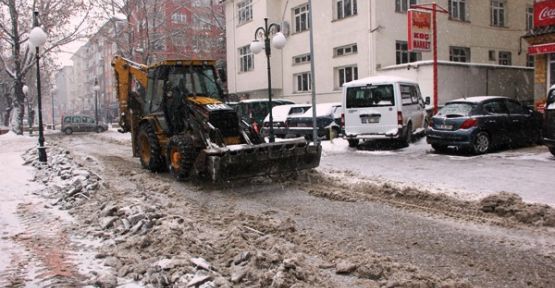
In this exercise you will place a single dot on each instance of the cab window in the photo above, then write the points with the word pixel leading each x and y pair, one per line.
pixel 495 107
pixel 76 119
pixel 67 119
pixel 515 108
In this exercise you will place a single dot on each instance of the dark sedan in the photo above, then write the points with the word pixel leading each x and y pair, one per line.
pixel 328 121
pixel 482 123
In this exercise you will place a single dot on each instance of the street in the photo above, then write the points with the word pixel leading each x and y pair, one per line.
pixel 526 171
pixel 321 221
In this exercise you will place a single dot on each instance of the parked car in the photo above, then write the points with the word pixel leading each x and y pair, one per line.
pixel 383 108
pixel 482 123
pixel 549 121
pixel 79 123
pixel 328 121
pixel 280 114
pixel 253 111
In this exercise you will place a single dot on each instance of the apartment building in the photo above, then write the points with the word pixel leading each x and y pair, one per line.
pixel 359 38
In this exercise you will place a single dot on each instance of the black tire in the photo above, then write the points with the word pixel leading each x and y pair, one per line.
pixel 481 143
pixel 68 131
pixel 538 137
pixel 149 148
pixel 99 129
pixel 439 147
pixel 353 143
pixel 407 138
pixel 552 150
pixel 181 157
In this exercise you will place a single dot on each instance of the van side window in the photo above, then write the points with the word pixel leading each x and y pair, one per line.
pixel 67 119
pixel 370 96
pixel 409 94
pixel 76 119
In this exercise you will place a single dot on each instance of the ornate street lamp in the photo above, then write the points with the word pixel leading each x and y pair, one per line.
pixel 37 37
pixel 96 88
pixel 256 47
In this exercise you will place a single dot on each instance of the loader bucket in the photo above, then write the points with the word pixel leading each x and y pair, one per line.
pixel 242 161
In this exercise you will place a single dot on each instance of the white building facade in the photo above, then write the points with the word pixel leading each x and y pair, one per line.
pixel 359 38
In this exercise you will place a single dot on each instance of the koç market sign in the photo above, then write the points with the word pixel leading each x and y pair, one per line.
pixel 544 13
pixel 420 31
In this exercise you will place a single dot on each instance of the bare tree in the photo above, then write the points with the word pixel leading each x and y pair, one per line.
pixel 15 22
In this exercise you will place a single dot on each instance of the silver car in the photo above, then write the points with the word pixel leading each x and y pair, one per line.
pixel 79 123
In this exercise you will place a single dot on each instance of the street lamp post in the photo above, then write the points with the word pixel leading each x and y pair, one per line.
pixel 256 47
pixel 52 93
pixel 96 88
pixel 37 37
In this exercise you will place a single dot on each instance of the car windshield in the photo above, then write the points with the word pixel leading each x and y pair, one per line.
pixel 370 96
pixel 455 110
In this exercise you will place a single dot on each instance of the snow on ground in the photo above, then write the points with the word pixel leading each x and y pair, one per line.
pixel 15 188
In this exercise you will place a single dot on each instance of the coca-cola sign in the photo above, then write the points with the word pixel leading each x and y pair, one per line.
pixel 544 13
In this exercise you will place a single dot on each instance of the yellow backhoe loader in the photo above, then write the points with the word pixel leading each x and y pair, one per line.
pixel 178 122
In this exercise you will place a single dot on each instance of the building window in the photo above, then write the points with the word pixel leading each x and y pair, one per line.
pixel 179 18
pixel 498 13
pixel 345 50
pixel 301 59
pixel 303 82
pixel 346 74
pixel 459 54
pixel 491 55
pixel 301 18
pixel 244 10
pixel 457 10
pixel 246 59
pixel 529 18
pixel 402 54
pixel 504 58
pixel 345 8
pixel 403 6
pixel 530 61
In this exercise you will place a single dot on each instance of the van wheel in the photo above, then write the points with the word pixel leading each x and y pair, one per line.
pixel 481 143
pixel 149 148
pixel 407 138
pixel 99 129
pixel 552 150
pixel 353 143
pixel 181 156
pixel 68 131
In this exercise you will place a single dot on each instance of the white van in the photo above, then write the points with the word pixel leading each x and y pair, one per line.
pixel 383 108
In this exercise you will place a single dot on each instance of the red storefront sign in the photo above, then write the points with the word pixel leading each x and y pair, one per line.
pixel 541 49
pixel 544 13
pixel 419 30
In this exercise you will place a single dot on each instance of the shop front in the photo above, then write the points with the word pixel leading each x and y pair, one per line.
pixel 541 40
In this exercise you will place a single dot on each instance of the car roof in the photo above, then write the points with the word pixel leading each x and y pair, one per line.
pixel 477 99
pixel 265 100
pixel 378 80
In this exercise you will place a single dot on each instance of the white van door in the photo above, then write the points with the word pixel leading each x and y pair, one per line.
pixel 412 109
pixel 370 109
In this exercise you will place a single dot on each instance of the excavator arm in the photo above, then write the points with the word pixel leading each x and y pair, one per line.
pixel 128 100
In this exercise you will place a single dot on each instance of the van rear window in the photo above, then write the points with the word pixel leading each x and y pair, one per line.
pixel 370 96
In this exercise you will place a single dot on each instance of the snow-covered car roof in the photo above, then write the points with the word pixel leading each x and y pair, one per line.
pixel 265 100
pixel 322 109
pixel 280 113
pixel 477 99
pixel 378 80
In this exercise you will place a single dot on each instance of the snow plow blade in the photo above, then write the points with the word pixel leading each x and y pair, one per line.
pixel 243 161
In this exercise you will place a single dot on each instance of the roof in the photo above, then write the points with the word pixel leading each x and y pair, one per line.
pixel 264 100
pixel 477 99
pixel 538 31
pixel 378 80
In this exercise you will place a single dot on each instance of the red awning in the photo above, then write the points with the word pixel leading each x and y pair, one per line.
pixel 541 49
